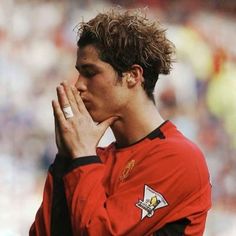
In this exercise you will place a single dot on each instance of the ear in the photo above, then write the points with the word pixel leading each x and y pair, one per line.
pixel 129 79
pixel 134 76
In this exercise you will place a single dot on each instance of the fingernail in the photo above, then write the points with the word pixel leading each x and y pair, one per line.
pixel 64 82
pixel 60 88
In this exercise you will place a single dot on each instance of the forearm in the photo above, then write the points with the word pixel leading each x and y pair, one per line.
pixel 53 207
pixel 41 225
pixel 86 197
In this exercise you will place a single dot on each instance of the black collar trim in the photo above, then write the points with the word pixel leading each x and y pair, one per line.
pixel 157 133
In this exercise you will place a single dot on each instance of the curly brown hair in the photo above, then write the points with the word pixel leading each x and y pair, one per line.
pixel 125 38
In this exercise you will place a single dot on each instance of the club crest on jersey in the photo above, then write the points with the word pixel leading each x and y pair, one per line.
pixel 152 200
pixel 127 170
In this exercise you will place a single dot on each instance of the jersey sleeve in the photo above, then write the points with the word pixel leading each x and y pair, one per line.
pixel 53 209
pixel 41 225
pixel 157 192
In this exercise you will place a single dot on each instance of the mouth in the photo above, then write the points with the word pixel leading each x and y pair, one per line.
pixel 84 99
pixel 86 102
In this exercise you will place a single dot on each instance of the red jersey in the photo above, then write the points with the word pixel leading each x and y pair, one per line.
pixel 157 186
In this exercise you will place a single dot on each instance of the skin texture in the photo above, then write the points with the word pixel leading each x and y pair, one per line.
pixel 101 99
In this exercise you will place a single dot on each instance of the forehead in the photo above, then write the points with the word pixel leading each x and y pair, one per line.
pixel 88 54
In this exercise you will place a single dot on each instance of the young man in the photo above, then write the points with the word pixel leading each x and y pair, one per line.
pixel 152 180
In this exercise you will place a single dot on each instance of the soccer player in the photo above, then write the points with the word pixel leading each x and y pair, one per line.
pixel 152 180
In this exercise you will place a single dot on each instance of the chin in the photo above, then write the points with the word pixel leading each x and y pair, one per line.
pixel 99 119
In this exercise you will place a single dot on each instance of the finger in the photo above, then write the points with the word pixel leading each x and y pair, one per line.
pixel 64 102
pixel 79 101
pixel 106 123
pixel 58 114
pixel 70 95
pixel 62 97
pixel 56 124
pixel 57 136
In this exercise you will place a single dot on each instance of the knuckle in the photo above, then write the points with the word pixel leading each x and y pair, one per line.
pixel 66 129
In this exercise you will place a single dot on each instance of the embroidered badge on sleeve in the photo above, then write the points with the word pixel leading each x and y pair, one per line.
pixel 152 200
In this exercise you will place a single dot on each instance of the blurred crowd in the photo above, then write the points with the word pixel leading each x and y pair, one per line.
pixel 38 50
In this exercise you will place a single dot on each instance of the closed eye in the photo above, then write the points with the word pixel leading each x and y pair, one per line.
pixel 88 74
pixel 87 71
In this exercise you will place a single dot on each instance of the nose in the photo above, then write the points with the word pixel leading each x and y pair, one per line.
pixel 81 83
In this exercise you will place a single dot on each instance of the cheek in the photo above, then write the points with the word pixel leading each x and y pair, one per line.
pixel 107 101
pixel 102 92
pixel 107 95
pixel 106 105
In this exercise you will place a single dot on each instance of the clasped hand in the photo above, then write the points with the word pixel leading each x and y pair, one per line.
pixel 78 135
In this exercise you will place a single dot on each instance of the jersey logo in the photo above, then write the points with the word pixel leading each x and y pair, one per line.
pixel 126 171
pixel 152 200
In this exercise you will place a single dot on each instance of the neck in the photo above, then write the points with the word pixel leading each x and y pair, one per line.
pixel 136 123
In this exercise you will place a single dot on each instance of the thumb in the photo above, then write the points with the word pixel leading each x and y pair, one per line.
pixel 106 123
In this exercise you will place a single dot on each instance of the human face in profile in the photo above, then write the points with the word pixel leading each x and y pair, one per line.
pixel 102 90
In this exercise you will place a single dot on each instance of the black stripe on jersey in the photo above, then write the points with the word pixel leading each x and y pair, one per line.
pixel 176 228
pixel 81 161
pixel 60 218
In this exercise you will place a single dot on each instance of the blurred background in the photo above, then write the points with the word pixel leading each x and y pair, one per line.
pixel 38 51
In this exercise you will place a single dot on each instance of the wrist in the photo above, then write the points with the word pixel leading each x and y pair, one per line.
pixel 83 153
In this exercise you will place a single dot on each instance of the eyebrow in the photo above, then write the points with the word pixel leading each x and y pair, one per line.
pixel 85 66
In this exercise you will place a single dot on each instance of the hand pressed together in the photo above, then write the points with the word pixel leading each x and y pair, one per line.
pixel 78 135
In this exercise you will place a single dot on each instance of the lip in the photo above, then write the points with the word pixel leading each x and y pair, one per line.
pixel 85 100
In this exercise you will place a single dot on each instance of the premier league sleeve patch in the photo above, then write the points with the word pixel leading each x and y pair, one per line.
pixel 152 201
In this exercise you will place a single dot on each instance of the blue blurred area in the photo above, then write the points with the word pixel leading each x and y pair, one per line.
pixel 38 50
